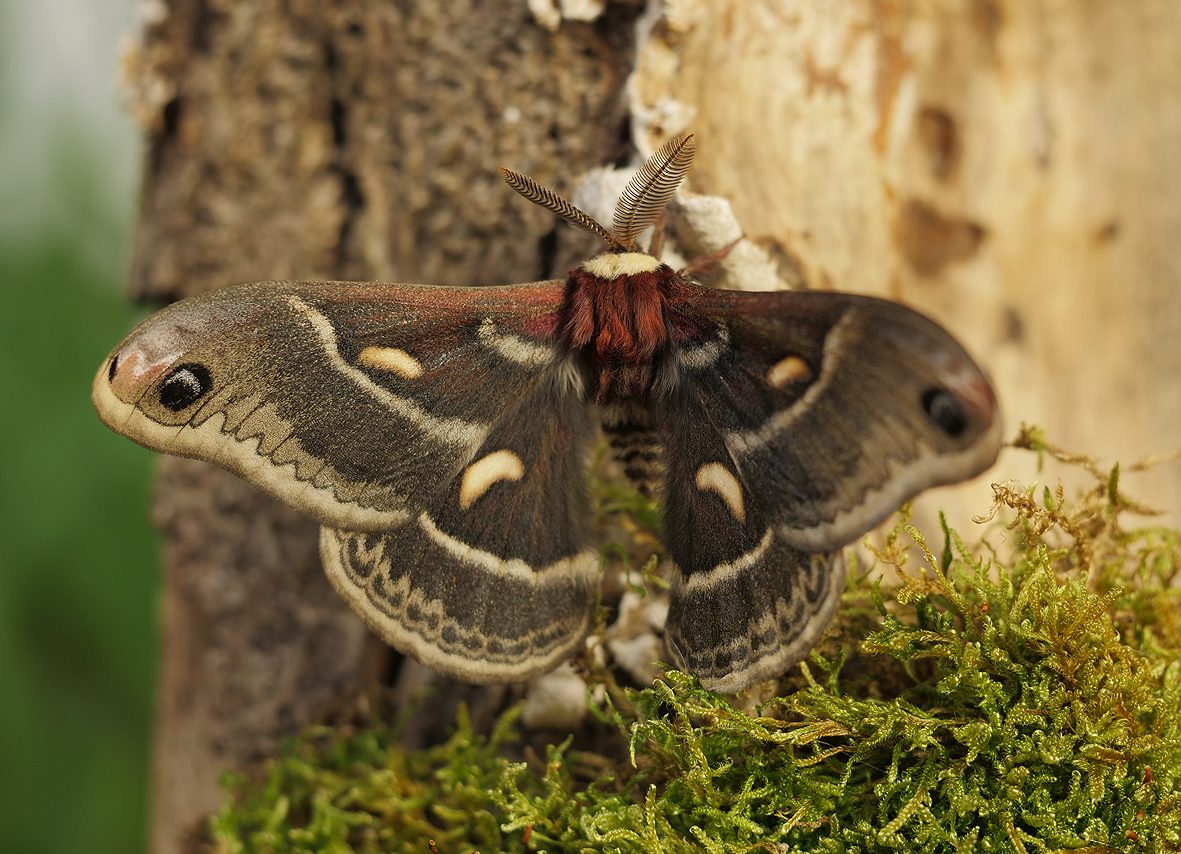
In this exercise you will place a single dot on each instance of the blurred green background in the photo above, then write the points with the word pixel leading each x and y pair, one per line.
pixel 77 556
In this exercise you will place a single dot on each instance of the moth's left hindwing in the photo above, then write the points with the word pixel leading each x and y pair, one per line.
pixel 496 580
pixel 431 430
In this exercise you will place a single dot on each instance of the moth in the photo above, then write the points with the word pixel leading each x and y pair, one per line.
pixel 441 438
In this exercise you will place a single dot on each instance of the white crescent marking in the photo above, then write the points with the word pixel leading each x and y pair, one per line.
pixel 479 477
pixel 391 359
pixel 715 477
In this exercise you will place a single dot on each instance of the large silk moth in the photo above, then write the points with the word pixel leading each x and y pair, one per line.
pixel 441 437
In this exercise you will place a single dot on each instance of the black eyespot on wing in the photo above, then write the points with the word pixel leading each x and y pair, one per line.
pixel 945 411
pixel 186 385
pixel 113 368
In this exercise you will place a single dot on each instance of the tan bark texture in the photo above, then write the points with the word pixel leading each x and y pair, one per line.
pixel 1008 167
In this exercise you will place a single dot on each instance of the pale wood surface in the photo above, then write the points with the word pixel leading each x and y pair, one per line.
pixel 1011 168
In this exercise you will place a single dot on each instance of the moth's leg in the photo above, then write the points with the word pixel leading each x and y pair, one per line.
pixel 708 264
pixel 635 446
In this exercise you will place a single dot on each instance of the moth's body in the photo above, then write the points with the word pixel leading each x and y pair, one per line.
pixel 618 325
pixel 441 437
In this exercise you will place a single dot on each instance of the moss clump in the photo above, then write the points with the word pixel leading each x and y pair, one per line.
pixel 1016 698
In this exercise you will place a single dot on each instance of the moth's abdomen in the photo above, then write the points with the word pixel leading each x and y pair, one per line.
pixel 636 447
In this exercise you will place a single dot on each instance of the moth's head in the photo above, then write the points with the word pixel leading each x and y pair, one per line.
pixel 612 265
pixel 170 364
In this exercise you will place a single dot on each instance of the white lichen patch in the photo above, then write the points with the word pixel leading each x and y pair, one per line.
pixel 704 225
pixel 555 700
pixel 635 639
pixel 550 14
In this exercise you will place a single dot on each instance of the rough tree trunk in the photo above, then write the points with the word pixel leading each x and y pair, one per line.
pixel 311 140
pixel 1005 166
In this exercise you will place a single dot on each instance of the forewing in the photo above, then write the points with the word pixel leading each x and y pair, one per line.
pixel 837 408
pixel 352 402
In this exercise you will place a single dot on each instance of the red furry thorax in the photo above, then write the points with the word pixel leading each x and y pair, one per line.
pixel 620 326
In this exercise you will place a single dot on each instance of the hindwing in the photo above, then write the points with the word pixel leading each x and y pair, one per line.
pixel 496 580
pixel 745 603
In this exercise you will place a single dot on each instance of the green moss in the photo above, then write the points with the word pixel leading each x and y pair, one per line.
pixel 1018 696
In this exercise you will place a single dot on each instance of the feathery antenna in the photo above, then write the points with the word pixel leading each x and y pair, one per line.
pixel 551 201
pixel 647 193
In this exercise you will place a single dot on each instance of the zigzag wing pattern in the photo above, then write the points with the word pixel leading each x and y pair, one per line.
pixel 497 580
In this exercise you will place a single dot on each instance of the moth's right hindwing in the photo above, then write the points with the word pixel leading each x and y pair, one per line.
pixel 745 604
pixel 431 430
pixel 798 422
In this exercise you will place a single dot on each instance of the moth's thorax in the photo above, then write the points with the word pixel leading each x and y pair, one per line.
pixel 615 318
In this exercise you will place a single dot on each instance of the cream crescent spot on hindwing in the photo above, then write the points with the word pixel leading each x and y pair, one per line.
pixel 715 477
pixel 787 371
pixel 453 431
pixel 391 359
pixel 479 477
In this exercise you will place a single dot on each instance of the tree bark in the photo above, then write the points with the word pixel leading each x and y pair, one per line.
pixel 1010 168
pixel 327 140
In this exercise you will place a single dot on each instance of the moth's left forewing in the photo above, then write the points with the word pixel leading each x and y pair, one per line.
pixel 352 402
pixel 841 407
